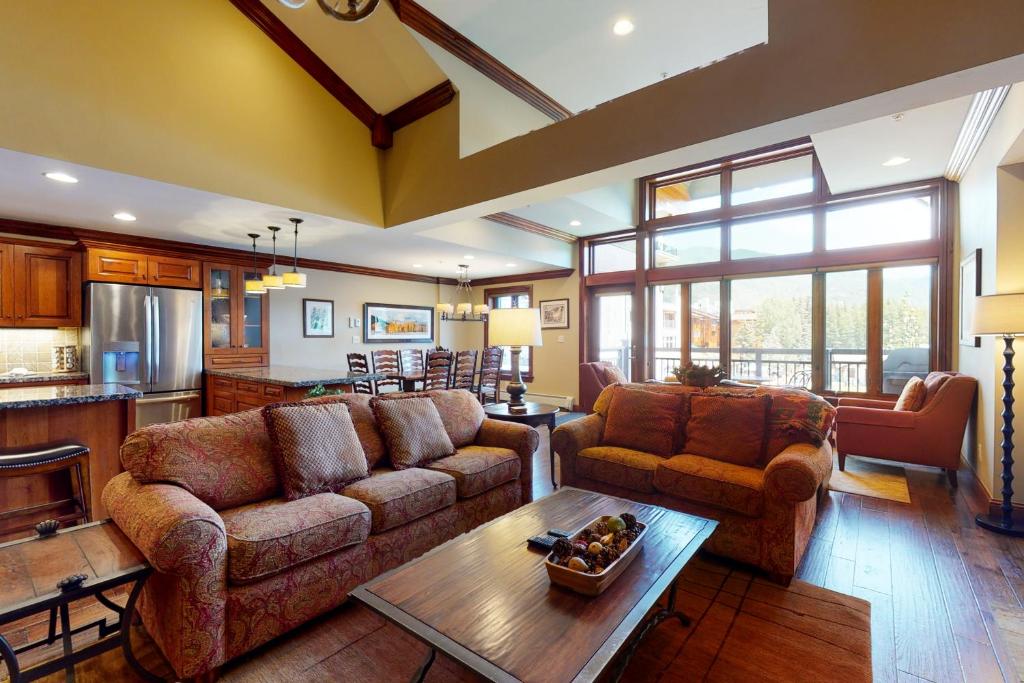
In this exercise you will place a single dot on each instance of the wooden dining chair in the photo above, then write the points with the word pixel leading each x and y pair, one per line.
pixel 438 372
pixel 411 361
pixel 386 361
pixel 464 372
pixel 490 373
pixel 357 363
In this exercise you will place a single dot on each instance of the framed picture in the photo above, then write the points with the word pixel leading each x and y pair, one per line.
pixel 554 314
pixel 317 318
pixel 397 323
pixel 970 287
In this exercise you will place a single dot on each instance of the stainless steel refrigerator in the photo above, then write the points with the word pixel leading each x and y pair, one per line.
pixel 150 339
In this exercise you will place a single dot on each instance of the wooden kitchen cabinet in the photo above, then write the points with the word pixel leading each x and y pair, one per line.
pixel 47 286
pixel 7 317
pixel 136 268
pixel 236 330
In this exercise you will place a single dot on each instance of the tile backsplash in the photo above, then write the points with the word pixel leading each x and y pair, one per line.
pixel 32 349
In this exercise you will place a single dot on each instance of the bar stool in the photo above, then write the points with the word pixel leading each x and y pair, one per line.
pixel 70 457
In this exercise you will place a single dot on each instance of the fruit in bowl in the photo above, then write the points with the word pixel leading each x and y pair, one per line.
pixel 595 547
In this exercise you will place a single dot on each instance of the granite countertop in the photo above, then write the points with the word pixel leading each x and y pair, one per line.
pixel 42 377
pixel 290 376
pixel 39 397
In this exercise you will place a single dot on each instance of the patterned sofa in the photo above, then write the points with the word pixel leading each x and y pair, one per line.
pixel 765 515
pixel 237 564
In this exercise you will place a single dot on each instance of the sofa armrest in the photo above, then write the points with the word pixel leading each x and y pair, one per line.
pixel 898 419
pixel 178 533
pixel 573 437
pixel 865 402
pixel 520 438
pixel 795 474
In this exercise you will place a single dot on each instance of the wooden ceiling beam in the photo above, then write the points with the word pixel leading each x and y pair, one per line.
pixel 526 225
pixel 419 19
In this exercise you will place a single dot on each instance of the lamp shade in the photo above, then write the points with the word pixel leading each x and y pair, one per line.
pixel 444 309
pixel 294 279
pixel 998 314
pixel 514 327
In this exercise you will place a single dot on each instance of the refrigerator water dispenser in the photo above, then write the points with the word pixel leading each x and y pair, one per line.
pixel 121 363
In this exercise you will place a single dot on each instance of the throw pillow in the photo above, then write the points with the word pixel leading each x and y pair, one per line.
pixel 412 429
pixel 728 427
pixel 644 421
pixel 316 447
pixel 613 374
pixel 913 395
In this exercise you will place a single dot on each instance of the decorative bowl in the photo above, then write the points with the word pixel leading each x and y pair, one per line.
pixel 594 584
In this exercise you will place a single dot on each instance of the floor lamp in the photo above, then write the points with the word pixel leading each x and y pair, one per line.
pixel 514 327
pixel 1003 315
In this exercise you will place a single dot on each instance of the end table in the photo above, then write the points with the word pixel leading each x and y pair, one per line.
pixel 531 414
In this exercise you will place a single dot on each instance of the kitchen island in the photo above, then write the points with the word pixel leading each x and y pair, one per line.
pixel 230 390
pixel 98 416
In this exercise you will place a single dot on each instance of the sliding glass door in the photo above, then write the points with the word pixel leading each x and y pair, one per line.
pixel 615 329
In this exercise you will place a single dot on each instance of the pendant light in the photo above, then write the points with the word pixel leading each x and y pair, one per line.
pixel 254 284
pixel 295 278
pixel 272 280
pixel 461 307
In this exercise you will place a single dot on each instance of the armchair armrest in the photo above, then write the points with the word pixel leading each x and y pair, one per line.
pixel 522 439
pixel 573 437
pixel 865 402
pixel 178 533
pixel 898 419
pixel 795 474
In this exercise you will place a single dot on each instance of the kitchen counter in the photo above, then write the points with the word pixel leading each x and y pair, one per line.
pixel 290 376
pixel 41 397
pixel 37 377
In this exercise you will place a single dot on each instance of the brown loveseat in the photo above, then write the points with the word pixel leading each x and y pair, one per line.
pixel 236 564
pixel 765 515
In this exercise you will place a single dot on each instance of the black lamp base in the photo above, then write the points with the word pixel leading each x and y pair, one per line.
pixel 1013 526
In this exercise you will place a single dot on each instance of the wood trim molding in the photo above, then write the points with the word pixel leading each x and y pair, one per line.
pixel 525 277
pixel 527 225
pixel 88 237
pixel 434 29
pixel 382 126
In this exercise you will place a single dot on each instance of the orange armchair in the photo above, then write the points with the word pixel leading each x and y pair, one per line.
pixel 931 436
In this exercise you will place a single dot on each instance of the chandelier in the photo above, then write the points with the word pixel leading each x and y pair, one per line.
pixel 343 10
pixel 461 307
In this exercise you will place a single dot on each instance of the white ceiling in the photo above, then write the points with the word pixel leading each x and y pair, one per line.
pixel 567 48
pixel 852 156
pixel 178 213
pixel 603 209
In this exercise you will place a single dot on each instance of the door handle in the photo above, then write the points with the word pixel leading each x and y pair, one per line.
pixel 147 304
pixel 156 339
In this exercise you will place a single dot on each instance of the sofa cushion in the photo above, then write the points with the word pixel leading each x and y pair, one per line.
pixel 224 461
pixel 604 400
pixel 932 383
pixel 796 416
pixel 412 429
pixel 728 427
pixel 613 374
pixel 273 535
pixel 316 447
pixel 365 423
pixel 644 421
pixel 913 395
pixel 479 468
pixel 623 467
pixel 396 497
pixel 705 480
pixel 461 414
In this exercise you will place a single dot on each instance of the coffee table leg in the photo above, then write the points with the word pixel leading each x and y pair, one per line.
pixel 551 451
pixel 10 659
pixel 65 636
pixel 424 667
pixel 126 634
pixel 668 612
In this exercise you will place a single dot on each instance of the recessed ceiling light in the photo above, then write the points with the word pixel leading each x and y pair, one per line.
pixel 417 265
pixel 510 265
pixel 61 177
pixel 895 161
pixel 623 27
pixel 124 216
pixel 575 223
pixel 468 257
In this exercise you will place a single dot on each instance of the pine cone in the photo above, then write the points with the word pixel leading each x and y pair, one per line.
pixel 629 519
pixel 600 528
pixel 562 547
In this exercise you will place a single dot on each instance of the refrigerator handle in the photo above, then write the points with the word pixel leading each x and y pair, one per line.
pixel 146 304
pixel 156 339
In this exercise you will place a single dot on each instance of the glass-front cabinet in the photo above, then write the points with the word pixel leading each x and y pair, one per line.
pixel 236 323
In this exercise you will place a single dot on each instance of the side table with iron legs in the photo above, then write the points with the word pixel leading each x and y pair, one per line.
pixel 532 415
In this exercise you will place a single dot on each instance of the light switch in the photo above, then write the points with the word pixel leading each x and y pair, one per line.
pixel 561 339
pixel 355 338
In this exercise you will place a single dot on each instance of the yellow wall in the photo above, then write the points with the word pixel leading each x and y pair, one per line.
pixel 188 92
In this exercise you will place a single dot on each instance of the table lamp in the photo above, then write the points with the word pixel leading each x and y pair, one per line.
pixel 516 328
pixel 1003 315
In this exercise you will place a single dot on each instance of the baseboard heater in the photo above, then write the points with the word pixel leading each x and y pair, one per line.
pixel 551 399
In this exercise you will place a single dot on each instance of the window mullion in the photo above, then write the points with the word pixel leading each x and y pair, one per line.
pixel 818 332
pixel 874 350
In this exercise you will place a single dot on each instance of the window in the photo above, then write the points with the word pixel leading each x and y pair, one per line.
pixel 906 325
pixel 705 322
pixel 667 329
pixel 515 297
pixel 771 330
pixel 615 320
pixel 609 257
pixel 879 222
pixel 683 247
pixel 770 181
pixel 790 234
pixel 688 196
pixel 846 331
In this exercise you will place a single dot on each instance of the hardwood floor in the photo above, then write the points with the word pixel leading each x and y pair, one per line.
pixel 946 597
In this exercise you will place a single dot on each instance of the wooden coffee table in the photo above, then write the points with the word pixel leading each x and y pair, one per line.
pixel 484 598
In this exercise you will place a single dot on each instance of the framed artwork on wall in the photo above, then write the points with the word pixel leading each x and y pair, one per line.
pixel 317 318
pixel 970 287
pixel 554 314
pixel 397 323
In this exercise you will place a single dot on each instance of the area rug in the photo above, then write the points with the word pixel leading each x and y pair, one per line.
pixel 743 629
pixel 871 478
